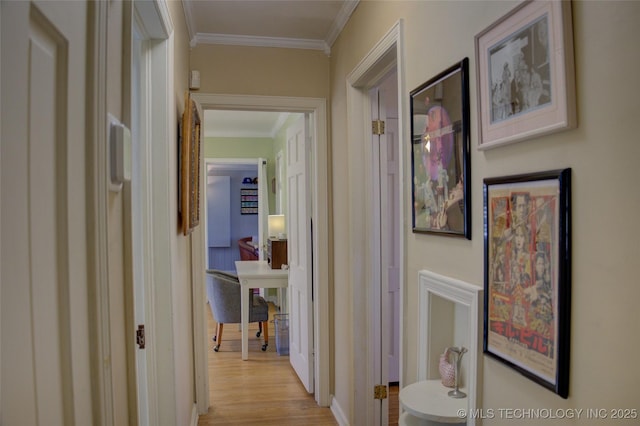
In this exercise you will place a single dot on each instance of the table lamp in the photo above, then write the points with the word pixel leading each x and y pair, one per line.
pixel 276 226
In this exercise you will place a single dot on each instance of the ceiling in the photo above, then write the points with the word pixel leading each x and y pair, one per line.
pixel 296 24
pixel 301 24
pixel 243 124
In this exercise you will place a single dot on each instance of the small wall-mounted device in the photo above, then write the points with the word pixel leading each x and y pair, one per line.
pixel 119 154
pixel 194 80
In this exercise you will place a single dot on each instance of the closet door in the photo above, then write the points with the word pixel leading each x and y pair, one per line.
pixel 43 262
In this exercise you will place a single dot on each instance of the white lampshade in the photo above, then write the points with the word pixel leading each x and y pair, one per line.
pixel 276 226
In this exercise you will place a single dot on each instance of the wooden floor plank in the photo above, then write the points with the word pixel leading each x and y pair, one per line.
pixel 264 390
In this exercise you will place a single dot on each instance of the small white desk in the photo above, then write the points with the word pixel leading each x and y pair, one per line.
pixel 256 274
pixel 428 400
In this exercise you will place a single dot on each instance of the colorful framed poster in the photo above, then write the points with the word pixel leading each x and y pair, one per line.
pixel 441 164
pixel 527 232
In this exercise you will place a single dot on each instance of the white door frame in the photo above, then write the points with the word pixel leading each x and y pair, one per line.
pixel 385 55
pixel 155 145
pixel 384 233
pixel 279 176
pixel 320 214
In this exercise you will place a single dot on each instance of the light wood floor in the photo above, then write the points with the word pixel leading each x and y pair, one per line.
pixel 264 390
pixel 394 405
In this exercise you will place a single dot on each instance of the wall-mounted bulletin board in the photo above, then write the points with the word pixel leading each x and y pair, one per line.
pixel 249 201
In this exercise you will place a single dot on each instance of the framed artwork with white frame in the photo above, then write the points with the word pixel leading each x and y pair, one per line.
pixel 525 74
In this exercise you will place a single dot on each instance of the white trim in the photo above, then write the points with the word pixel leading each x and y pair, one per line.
pixel 156 18
pixel 190 21
pixel 138 241
pixel 156 22
pixel 434 334
pixel 245 40
pixel 194 416
pixel 279 176
pixel 338 412
pixel 1 286
pixel 357 115
pixel 98 244
pixel 292 43
pixel 341 20
pixel 385 55
pixel 318 107
pixel 199 317
pixel 160 303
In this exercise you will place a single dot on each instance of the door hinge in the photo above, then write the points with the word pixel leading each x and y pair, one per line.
pixel 379 392
pixel 140 336
pixel 377 127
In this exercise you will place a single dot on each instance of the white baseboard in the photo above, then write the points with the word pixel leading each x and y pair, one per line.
pixel 338 413
pixel 194 415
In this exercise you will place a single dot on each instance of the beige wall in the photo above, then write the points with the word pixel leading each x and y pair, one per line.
pixel 263 71
pixel 602 153
pixel 243 70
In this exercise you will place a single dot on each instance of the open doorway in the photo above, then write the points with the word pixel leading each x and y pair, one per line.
pixel 315 108
pixel 386 199
pixel 372 274
pixel 232 211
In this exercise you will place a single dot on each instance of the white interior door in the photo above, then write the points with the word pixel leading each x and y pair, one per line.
pixel 390 223
pixel 136 208
pixel 299 246
pixel 385 287
pixel 46 375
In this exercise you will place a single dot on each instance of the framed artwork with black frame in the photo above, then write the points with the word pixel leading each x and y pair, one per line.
pixel 527 251
pixel 440 169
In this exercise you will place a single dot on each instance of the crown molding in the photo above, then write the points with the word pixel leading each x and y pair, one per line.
pixel 341 20
pixel 243 40
pixel 191 24
pixel 289 43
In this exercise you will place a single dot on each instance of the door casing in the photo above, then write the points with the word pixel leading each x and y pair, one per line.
pixel 383 57
pixel 320 214
pixel 385 236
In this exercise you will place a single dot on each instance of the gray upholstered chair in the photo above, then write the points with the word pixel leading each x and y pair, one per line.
pixel 223 295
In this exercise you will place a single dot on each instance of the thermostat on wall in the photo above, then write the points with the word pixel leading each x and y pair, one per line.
pixel 194 80
pixel 119 156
